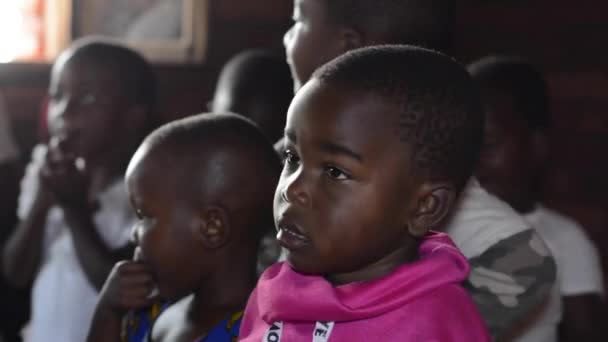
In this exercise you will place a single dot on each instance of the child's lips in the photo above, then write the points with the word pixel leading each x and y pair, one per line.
pixel 291 237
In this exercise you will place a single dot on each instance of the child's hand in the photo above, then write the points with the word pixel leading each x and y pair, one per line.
pixel 43 196
pixel 128 287
pixel 64 175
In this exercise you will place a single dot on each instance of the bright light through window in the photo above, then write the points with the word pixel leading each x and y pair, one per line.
pixel 20 30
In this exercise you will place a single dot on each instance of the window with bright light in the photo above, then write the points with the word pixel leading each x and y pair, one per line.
pixel 38 30
pixel 22 35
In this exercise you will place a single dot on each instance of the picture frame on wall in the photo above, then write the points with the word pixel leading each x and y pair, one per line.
pixel 164 31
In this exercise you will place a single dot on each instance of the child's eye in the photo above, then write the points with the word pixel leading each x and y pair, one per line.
pixel 335 173
pixel 290 158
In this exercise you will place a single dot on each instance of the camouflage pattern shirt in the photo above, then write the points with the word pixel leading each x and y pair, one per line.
pixel 512 270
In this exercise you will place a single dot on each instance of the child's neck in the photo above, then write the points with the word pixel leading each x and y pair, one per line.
pixel 526 196
pixel 407 253
pixel 225 292
pixel 525 207
pixel 194 316
pixel 526 200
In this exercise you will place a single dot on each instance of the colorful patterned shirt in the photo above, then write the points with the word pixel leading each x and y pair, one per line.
pixel 138 326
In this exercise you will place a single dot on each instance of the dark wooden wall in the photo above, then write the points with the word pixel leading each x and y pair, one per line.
pixel 569 40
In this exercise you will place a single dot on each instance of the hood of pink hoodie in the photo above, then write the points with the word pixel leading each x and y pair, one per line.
pixel 285 295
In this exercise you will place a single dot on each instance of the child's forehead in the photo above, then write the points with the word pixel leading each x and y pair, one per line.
pixel 364 120
pixel 189 159
pixel 148 171
pixel 86 71
pixel 345 104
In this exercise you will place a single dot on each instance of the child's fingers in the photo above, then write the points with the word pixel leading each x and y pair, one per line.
pixel 132 275
pixel 136 297
pixel 139 303
pixel 127 267
pixel 59 158
pixel 55 155
pixel 136 292
pixel 56 169
pixel 62 166
pixel 138 279
pixel 127 291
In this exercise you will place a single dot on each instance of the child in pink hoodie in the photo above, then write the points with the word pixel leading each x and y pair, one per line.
pixel 379 143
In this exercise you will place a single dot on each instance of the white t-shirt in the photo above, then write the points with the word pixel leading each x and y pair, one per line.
pixel 8 147
pixel 481 220
pixel 63 300
pixel 578 269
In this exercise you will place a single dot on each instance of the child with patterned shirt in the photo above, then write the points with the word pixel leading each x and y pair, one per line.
pixel 202 189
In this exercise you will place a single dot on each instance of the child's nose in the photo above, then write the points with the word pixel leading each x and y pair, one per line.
pixel 295 190
pixel 64 108
pixel 287 37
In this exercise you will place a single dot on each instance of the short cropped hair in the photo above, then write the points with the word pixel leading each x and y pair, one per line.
pixel 440 115
pixel 259 80
pixel 259 74
pixel 520 79
pixel 198 139
pixel 427 23
pixel 221 158
pixel 132 70
pixel 222 129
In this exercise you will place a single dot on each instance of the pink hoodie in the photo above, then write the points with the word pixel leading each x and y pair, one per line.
pixel 421 301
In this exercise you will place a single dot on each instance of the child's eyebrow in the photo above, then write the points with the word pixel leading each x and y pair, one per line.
pixel 334 148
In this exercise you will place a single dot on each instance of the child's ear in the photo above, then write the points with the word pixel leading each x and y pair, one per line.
pixel 214 227
pixel 433 205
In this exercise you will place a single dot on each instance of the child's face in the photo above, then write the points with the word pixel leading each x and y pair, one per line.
pixel 505 165
pixel 86 106
pixel 312 40
pixel 165 228
pixel 343 201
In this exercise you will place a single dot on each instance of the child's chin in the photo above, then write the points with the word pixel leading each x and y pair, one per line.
pixel 301 267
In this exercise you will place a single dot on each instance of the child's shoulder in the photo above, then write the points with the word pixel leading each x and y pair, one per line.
pixel 138 324
pixel 226 330
pixel 453 306
pixel 171 323
pixel 175 325
pixel 451 299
